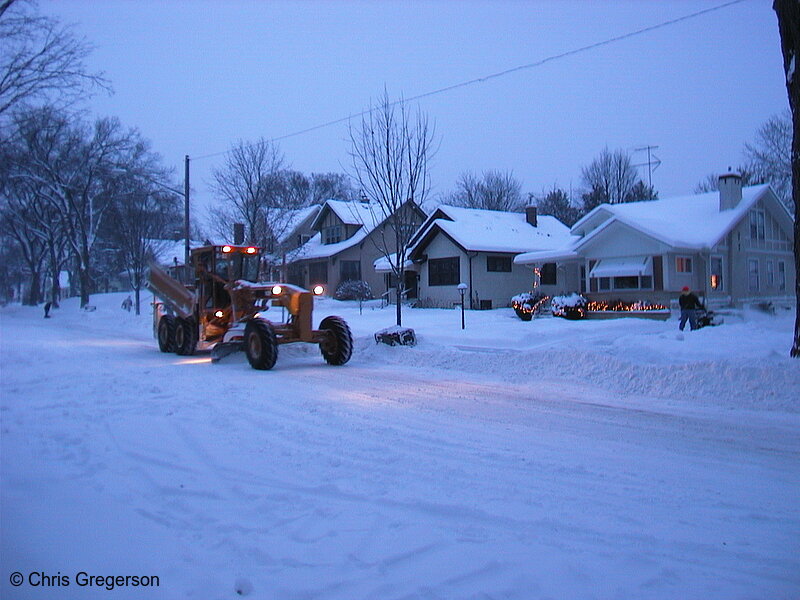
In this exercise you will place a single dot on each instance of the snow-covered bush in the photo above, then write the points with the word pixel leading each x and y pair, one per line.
pixel 528 304
pixel 353 290
pixel 572 306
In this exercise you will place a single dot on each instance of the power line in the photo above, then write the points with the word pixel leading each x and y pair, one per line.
pixel 485 78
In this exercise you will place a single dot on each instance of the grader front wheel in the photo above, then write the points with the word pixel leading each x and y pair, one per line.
pixel 260 345
pixel 337 348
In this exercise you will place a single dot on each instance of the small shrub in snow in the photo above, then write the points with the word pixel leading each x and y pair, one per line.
pixel 353 290
pixel 528 304
pixel 572 306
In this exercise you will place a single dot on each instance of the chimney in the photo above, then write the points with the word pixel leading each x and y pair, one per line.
pixel 238 234
pixel 530 215
pixel 730 190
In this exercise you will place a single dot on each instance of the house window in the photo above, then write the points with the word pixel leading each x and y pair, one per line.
pixel 770 273
pixel 318 273
pixel 443 271
pixel 302 238
pixel 646 282
pixel 752 274
pixel 332 234
pixel 628 282
pixel 716 274
pixel 350 270
pixel 781 275
pixel 583 279
pixel 605 283
pixel 757 225
pixel 683 264
pixel 498 264
pixel 548 276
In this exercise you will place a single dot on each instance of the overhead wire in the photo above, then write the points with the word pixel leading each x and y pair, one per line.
pixel 485 78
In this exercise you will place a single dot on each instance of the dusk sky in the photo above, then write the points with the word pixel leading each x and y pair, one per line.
pixel 196 76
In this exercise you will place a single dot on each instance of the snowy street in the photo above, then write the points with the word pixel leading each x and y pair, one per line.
pixel 475 465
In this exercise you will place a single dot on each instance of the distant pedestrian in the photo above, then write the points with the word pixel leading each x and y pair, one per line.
pixel 47 310
pixel 127 304
pixel 690 304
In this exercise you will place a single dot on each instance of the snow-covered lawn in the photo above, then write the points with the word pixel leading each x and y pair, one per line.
pixel 548 459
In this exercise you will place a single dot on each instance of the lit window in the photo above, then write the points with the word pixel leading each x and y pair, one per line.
pixel 716 273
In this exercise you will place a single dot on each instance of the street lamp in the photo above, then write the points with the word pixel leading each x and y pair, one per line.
pixel 462 288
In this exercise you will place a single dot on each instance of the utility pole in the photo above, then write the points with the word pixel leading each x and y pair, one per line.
pixel 186 216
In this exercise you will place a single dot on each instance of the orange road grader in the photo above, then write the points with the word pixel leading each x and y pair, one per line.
pixel 225 310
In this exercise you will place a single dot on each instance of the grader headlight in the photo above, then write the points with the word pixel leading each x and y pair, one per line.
pixel 277 290
pixel 318 290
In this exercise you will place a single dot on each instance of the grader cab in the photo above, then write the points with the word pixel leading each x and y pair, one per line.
pixel 226 309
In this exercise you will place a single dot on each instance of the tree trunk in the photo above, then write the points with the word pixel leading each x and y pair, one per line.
pixel 85 282
pixel 137 286
pixel 34 292
pixel 55 269
pixel 788 12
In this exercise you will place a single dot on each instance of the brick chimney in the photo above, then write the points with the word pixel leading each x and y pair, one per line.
pixel 238 233
pixel 530 215
pixel 730 190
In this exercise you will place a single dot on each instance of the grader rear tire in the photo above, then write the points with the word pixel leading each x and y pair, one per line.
pixel 166 333
pixel 260 345
pixel 338 347
pixel 185 336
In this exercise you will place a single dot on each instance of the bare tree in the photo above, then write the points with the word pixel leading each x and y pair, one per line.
pixel 495 190
pixel 611 176
pixel 138 222
pixel 770 155
pixel 247 187
pixel 41 60
pixel 326 186
pixel 788 12
pixel 390 150
pixel 74 167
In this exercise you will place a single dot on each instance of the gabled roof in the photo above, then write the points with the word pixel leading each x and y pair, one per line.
pixel 296 219
pixel 477 230
pixel 686 221
pixel 350 213
pixel 366 214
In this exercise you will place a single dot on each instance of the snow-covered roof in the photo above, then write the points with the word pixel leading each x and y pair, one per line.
pixel 693 221
pixel 478 230
pixel 368 214
pixel 296 219
pixel 384 264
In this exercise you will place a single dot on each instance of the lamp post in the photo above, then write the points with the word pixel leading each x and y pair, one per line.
pixel 462 288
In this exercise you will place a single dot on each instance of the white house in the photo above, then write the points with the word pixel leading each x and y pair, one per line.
pixel 733 246
pixel 477 247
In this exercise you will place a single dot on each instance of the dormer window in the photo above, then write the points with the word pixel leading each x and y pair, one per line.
pixel 332 234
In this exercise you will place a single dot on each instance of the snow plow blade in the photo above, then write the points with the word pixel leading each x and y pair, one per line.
pixel 223 349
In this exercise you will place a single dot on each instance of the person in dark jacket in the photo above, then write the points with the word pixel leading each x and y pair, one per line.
pixel 690 304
